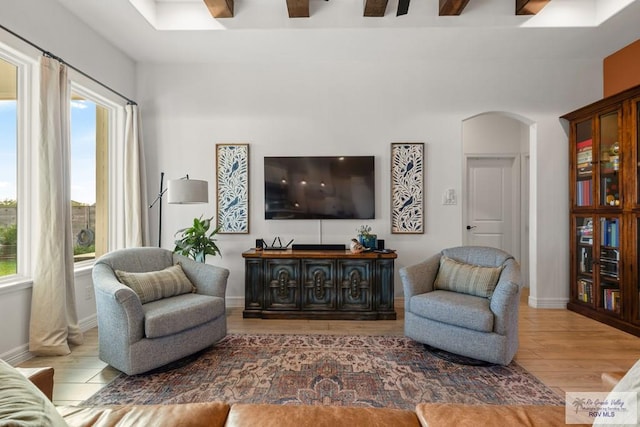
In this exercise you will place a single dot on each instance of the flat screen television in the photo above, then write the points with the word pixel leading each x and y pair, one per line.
pixel 319 187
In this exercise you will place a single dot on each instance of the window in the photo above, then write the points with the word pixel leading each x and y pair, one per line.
pixel 8 169
pixel 89 139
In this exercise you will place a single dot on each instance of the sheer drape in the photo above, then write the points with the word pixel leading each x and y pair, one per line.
pixel 54 320
pixel 136 227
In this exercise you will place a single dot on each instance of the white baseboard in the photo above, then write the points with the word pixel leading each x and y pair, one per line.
pixel 88 323
pixel 556 303
pixel 21 353
pixel 234 302
pixel 17 355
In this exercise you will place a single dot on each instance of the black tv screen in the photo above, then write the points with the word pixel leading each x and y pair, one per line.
pixel 319 187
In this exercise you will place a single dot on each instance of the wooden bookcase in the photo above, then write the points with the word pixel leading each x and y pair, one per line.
pixel 604 193
pixel 323 284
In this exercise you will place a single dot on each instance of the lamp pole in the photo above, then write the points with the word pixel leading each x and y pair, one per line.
pixel 159 199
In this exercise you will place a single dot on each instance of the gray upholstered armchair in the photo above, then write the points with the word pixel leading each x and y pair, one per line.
pixel 136 337
pixel 481 323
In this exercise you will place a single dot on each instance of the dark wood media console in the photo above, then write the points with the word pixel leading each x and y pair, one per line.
pixel 310 284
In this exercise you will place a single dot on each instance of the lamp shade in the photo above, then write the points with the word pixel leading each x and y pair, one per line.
pixel 186 191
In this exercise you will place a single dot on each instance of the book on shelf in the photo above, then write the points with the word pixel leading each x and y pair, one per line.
pixel 609 232
pixel 611 299
pixel 586 261
pixel 583 192
pixel 585 147
pixel 585 289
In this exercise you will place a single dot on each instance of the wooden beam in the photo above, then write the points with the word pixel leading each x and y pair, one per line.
pixel 530 7
pixel 452 7
pixel 220 8
pixel 403 7
pixel 375 8
pixel 298 8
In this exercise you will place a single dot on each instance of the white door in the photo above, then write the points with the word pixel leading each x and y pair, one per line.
pixel 493 203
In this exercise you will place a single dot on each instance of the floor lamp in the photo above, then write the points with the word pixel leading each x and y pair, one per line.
pixel 180 191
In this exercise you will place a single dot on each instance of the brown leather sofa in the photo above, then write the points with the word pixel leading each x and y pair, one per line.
pixel 221 414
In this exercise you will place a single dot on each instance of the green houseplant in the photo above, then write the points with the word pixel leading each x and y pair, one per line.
pixel 194 242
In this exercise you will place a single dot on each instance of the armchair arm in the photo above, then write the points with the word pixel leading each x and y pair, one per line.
pixel 418 278
pixel 505 300
pixel 208 279
pixel 120 314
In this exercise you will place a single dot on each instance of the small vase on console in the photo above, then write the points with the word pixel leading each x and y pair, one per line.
pixel 366 238
pixel 369 241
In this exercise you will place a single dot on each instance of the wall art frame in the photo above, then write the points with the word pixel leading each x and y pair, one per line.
pixel 407 187
pixel 232 188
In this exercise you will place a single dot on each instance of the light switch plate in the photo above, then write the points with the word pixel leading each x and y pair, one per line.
pixel 449 197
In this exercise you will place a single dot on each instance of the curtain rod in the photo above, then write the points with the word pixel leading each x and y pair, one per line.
pixel 49 54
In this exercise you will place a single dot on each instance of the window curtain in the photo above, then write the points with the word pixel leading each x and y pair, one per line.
pixel 136 224
pixel 54 320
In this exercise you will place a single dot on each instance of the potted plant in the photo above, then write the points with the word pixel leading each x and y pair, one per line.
pixel 366 238
pixel 194 242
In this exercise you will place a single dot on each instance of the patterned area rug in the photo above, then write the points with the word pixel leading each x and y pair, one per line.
pixel 371 371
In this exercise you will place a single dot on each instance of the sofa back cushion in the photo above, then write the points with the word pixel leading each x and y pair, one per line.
pixel 155 285
pixel 478 255
pixel 464 278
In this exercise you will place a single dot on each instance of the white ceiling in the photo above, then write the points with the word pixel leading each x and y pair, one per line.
pixel 184 31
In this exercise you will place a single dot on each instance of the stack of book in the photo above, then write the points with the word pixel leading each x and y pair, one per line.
pixel 585 289
pixel 609 232
pixel 585 157
pixel 611 300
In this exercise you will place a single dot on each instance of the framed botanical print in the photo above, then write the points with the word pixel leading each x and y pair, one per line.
pixel 232 188
pixel 407 187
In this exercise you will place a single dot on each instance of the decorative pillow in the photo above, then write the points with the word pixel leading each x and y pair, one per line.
pixel 466 278
pixel 155 285
pixel 22 403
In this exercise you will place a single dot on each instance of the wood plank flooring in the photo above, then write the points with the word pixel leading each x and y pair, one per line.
pixel 565 350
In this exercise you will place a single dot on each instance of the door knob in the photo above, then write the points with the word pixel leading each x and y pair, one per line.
pixel 469 227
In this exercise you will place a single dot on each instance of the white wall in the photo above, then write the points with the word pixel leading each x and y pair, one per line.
pixel 328 106
pixel 53 28
pixel 347 107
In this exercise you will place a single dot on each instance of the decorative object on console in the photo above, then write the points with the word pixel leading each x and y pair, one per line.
pixel 232 172
pixel 194 241
pixel 407 182
pixel 366 237
pixel 274 246
pixel 355 247
pixel 180 191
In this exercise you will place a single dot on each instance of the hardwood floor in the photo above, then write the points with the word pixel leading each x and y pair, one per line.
pixel 565 350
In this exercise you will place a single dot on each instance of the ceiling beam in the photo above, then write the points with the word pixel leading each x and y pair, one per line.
pixel 403 7
pixel 375 8
pixel 298 8
pixel 452 7
pixel 220 8
pixel 530 7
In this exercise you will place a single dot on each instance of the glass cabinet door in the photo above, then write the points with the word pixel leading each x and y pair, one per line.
pixel 584 258
pixel 636 139
pixel 609 156
pixel 609 264
pixel 584 164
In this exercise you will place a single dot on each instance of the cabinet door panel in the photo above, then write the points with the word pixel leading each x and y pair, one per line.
pixel 282 284
pixel 355 287
pixel 318 285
